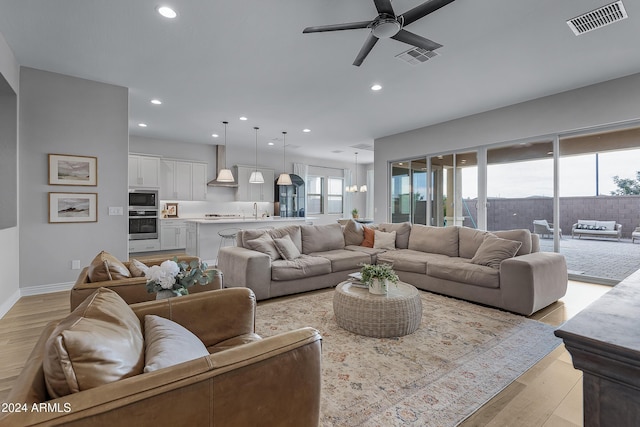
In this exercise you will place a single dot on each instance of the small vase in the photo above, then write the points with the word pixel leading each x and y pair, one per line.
pixel 165 293
pixel 379 287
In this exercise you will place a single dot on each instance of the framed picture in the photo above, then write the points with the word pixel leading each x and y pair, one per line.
pixel 73 170
pixel 73 207
pixel 172 210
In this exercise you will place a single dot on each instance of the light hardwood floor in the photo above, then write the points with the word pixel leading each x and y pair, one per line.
pixel 549 394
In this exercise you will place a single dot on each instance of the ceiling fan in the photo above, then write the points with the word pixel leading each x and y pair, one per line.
pixel 388 25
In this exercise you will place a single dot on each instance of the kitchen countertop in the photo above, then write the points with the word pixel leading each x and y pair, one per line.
pixel 240 220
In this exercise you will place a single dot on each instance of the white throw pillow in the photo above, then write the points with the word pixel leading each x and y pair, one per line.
pixel 168 343
pixel 384 240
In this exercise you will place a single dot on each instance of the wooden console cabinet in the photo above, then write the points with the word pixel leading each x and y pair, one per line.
pixel 604 342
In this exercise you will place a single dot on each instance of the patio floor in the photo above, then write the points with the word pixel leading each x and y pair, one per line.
pixel 605 261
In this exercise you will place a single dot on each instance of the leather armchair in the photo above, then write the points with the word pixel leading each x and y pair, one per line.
pixel 270 381
pixel 133 290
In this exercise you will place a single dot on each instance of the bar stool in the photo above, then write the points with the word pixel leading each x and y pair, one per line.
pixel 227 235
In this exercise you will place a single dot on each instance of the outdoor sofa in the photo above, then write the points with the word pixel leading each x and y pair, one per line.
pixel 594 228
pixel 503 269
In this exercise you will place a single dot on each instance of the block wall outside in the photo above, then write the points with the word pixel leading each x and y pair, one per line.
pixel 505 214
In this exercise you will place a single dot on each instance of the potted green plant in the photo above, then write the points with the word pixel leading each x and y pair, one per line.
pixel 354 213
pixel 377 277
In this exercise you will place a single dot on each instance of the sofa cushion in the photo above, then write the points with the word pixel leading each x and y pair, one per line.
pixel 353 233
pixel 320 238
pixel 243 236
pixel 409 260
pixel 434 240
pixel 520 235
pixel 463 271
pixel 373 253
pixel 369 237
pixel 305 266
pixel 469 240
pixel 98 343
pixel 293 231
pixel 167 343
pixel 264 244
pixel 608 225
pixel 286 248
pixel 403 231
pixel 107 267
pixel 342 259
pixel 586 222
pixel 494 250
pixel 138 268
pixel 384 240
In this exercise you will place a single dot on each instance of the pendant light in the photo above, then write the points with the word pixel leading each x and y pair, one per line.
pixel 256 176
pixel 354 188
pixel 284 178
pixel 225 175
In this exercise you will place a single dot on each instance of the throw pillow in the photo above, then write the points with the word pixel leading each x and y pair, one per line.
pixel 369 237
pixel 168 343
pixel 138 268
pixel 286 248
pixel 403 231
pixel 494 250
pixel 353 233
pixel 265 245
pixel 107 267
pixel 384 240
pixel 98 343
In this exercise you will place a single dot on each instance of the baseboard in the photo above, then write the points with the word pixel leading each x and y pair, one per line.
pixel 45 289
pixel 6 306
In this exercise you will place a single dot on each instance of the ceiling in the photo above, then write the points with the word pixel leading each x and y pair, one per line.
pixel 219 60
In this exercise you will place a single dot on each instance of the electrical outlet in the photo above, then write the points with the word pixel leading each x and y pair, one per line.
pixel 115 210
pixel 75 264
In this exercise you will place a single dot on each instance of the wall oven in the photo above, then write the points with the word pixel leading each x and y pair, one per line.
pixel 143 224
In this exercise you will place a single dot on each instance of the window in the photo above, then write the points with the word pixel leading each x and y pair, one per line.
pixel 334 195
pixel 315 197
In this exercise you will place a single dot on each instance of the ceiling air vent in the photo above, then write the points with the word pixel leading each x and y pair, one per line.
pixel 363 147
pixel 598 18
pixel 417 55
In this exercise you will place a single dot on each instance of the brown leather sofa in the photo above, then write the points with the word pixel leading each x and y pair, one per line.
pixel 131 289
pixel 245 381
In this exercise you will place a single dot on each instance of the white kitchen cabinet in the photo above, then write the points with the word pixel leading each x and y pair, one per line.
pixel 144 171
pixel 173 234
pixel 183 180
pixel 144 245
pixel 247 192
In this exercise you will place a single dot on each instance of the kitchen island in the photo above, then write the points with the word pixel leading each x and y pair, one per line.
pixel 203 238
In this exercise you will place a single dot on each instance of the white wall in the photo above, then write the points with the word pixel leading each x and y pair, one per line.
pixel 615 101
pixel 10 279
pixel 66 115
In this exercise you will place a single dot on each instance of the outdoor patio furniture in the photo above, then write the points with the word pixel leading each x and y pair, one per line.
pixel 544 228
pixel 635 235
pixel 591 228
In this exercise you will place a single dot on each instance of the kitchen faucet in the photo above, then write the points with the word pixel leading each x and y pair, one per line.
pixel 255 210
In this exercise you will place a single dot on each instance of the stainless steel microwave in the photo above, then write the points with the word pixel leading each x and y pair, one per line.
pixel 143 199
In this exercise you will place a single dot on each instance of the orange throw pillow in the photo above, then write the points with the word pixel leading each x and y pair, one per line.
pixel 369 235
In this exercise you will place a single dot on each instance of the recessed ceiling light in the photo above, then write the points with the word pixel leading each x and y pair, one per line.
pixel 306 130
pixel 243 118
pixel 270 143
pixel 376 87
pixel 215 135
pixel 142 125
pixel 167 12
pixel 156 102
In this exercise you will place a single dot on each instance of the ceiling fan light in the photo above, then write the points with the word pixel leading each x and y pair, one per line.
pixel 256 178
pixel 284 179
pixel 225 175
pixel 386 28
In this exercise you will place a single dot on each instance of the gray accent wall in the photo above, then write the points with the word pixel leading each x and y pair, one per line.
pixel 614 101
pixel 66 115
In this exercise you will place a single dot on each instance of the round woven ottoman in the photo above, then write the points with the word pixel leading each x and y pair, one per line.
pixel 393 315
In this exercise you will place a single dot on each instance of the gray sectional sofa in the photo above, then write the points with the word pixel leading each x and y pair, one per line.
pixel 503 269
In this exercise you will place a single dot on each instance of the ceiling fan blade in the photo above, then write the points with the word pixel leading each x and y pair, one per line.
pixel 423 10
pixel 337 27
pixel 384 6
pixel 416 40
pixel 366 48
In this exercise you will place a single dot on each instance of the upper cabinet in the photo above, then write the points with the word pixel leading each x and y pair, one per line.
pixel 144 171
pixel 183 180
pixel 247 192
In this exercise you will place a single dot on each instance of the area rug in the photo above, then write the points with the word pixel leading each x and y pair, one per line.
pixel 462 355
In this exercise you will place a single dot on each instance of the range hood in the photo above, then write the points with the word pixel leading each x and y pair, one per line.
pixel 220 156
